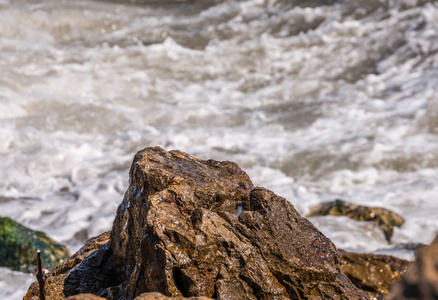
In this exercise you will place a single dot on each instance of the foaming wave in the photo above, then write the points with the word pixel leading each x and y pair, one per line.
pixel 316 100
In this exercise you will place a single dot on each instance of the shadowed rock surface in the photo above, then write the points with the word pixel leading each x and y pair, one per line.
pixel 190 227
pixel 94 247
pixel 384 218
pixel 372 273
pixel 420 281
pixel 19 244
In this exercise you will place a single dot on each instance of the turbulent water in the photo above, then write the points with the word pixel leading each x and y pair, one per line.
pixel 316 100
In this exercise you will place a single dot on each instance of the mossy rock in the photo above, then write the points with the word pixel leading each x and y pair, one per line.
pixel 384 218
pixel 19 244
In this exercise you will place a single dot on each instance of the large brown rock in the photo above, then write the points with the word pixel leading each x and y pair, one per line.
pixel 191 227
pixel 420 282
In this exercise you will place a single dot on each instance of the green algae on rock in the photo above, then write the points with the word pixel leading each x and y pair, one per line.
pixel 18 246
pixel 384 218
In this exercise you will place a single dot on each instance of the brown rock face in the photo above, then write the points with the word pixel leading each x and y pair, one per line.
pixel 159 296
pixel 177 232
pixel 145 296
pixel 189 227
pixel 372 273
pixel 420 282
pixel 85 297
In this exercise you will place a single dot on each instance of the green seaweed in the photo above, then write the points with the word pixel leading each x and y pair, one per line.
pixel 19 244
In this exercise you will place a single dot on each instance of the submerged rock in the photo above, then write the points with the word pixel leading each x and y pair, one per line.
pixel 420 281
pixel 372 273
pixel 384 218
pixel 19 244
pixel 190 227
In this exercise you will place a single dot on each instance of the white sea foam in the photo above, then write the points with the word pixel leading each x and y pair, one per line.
pixel 315 103
pixel 14 284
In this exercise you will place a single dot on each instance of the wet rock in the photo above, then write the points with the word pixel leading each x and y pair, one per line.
pixel 145 296
pixel 174 234
pixel 85 297
pixel 19 244
pixel 420 281
pixel 159 296
pixel 384 218
pixel 372 273
pixel 93 248
pixel 189 227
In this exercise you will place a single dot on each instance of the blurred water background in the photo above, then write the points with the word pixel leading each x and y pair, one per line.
pixel 316 100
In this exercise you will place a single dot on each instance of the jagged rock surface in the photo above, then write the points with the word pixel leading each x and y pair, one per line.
pixel 145 296
pixel 159 296
pixel 55 288
pixel 85 297
pixel 420 282
pixel 372 273
pixel 191 227
pixel 382 217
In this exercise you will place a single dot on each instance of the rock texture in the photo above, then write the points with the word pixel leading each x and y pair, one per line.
pixel 384 218
pixel 145 296
pixel 19 244
pixel 190 227
pixel 159 296
pixel 372 273
pixel 85 297
pixel 420 282
pixel 93 248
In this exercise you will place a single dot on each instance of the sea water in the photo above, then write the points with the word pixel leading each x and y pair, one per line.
pixel 315 100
